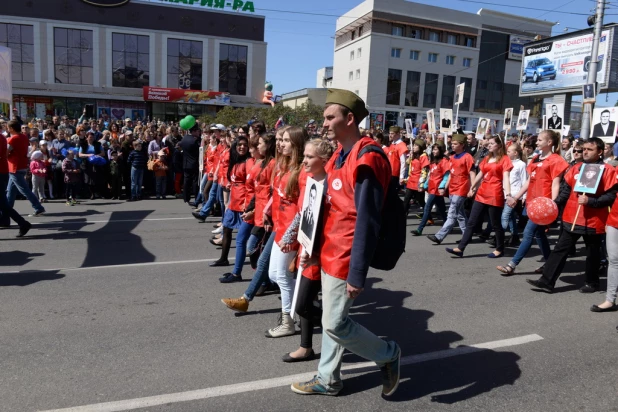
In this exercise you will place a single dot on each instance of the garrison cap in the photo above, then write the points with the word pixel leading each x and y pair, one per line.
pixel 348 99
pixel 394 129
pixel 459 138
pixel 420 143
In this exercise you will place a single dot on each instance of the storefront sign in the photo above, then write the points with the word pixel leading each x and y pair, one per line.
pixel 236 5
pixel 516 46
pixel 106 3
pixel 164 95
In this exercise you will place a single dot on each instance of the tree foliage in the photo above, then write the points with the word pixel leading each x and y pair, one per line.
pixel 298 116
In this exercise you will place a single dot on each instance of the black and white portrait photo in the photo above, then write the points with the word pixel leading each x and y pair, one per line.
pixel 554 113
pixel 589 94
pixel 312 202
pixel 446 119
pixel 481 129
pixel 508 118
pixel 604 123
pixel 522 119
pixel 589 177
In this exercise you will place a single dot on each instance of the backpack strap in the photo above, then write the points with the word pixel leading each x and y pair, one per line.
pixel 372 148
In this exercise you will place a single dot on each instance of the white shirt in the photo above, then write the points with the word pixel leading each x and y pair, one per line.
pixel 518 176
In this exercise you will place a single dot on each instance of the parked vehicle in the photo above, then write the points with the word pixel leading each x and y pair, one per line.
pixel 539 69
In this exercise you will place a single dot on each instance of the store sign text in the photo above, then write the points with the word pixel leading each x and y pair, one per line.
pixel 235 5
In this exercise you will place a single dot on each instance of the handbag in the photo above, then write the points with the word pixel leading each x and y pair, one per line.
pixel 150 165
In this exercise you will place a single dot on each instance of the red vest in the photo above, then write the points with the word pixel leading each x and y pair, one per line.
pixel 459 183
pixel 263 191
pixel 612 220
pixel 250 186
pixel 224 161
pixel 491 191
pixel 211 160
pixel 238 189
pixel 339 207
pixel 542 174
pixel 393 158
pixel 285 207
pixel 591 217
pixel 436 174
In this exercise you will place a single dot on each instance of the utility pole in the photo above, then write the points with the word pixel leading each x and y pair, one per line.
pixel 594 63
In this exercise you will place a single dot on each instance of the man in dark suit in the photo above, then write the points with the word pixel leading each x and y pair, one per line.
pixel 605 128
pixel 507 117
pixel 588 92
pixel 308 221
pixel 190 145
pixel 554 122
pixel 446 123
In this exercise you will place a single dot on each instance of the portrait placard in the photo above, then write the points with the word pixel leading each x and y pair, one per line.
pixel 588 178
pixel 312 203
pixel 522 119
pixel 554 113
pixel 446 120
pixel 604 122
pixel 508 118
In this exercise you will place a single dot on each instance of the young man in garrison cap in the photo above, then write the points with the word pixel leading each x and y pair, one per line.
pixel 355 193
pixel 397 145
pixel 459 182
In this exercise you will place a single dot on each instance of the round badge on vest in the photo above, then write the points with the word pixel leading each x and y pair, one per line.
pixel 337 184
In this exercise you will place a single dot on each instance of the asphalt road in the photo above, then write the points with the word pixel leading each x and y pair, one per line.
pixel 114 302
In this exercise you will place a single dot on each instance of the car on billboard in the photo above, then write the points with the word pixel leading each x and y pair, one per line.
pixel 539 69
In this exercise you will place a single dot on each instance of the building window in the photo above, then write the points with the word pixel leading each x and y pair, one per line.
pixel 467 62
pixel 415 33
pixel 353 34
pixel 397 30
pixel 448 91
pixel 479 104
pixel 351 76
pixel 360 31
pixel 498 86
pixel 358 53
pixel 481 84
pixel 450 59
pixel 20 39
pixel 357 74
pixel 465 105
pixel 73 56
pixel 470 41
pixel 396 53
pixel 233 69
pixel 451 39
pixel 414 54
pixel 434 36
pixel 352 55
pixel 432 57
pixel 130 60
pixel 184 64
pixel 393 86
pixel 431 90
pixel 413 82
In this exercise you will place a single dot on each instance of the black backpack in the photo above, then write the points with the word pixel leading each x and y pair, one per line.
pixel 392 236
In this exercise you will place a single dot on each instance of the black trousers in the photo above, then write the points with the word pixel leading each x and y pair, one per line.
pixel 307 291
pixel 189 184
pixel 477 214
pixel 126 180
pixel 413 194
pixel 116 185
pixel 558 257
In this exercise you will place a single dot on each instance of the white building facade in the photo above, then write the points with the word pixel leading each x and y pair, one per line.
pixel 405 58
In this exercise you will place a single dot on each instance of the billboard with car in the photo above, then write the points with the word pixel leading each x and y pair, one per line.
pixel 560 64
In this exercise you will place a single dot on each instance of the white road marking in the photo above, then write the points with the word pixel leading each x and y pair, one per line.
pixel 81 222
pixel 129 265
pixel 225 390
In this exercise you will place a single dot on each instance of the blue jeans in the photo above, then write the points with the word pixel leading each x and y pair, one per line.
pixel 137 178
pixel 200 193
pixel 212 198
pixel 161 185
pixel 252 243
pixel 261 273
pixel 7 212
pixel 341 332
pixel 456 214
pixel 431 199
pixel 17 182
pixel 241 247
pixel 509 219
pixel 531 230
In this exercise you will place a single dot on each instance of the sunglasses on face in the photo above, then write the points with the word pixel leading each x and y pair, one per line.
pixel 578 151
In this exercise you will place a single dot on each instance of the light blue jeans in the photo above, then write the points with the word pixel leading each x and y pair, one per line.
pixel 532 230
pixel 244 232
pixel 279 274
pixel 17 182
pixel 137 178
pixel 509 220
pixel 261 273
pixel 341 332
pixel 612 268
pixel 210 203
pixel 456 214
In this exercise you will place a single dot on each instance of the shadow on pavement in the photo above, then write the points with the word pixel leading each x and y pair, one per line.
pixel 17 258
pixel 88 212
pixel 28 278
pixel 382 312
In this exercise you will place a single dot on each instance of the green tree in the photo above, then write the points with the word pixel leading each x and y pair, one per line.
pixel 299 116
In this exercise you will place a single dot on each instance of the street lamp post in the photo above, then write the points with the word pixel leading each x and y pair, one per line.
pixel 594 63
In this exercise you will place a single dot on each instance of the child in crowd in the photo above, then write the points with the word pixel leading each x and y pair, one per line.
pixel 71 171
pixel 44 148
pixel 38 168
pixel 160 171
pixel 138 160
pixel 115 175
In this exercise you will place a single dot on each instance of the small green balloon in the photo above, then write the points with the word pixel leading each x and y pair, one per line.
pixel 187 123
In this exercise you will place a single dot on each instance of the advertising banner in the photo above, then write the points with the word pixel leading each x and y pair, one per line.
pixel 6 85
pixel 562 65
pixel 516 46
pixel 164 95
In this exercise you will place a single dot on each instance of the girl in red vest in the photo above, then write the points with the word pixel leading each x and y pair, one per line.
pixel 317 153
pixel 495 184
pixel 439 170
pixel 236 177
pixel 418 161
pixel 286 190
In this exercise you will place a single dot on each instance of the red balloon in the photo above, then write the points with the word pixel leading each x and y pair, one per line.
pixel 542 211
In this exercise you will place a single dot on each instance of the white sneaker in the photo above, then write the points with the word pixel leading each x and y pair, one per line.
pixel 218 230
pixel 285 327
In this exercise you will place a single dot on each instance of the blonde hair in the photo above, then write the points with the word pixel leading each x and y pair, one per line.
pixel 323 149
